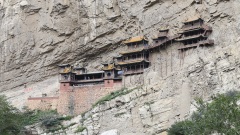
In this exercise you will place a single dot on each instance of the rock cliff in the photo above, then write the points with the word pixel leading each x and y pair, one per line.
pixel 35 36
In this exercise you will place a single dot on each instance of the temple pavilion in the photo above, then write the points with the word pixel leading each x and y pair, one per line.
pixel 194 34
pixel 136 58
pixel 78 76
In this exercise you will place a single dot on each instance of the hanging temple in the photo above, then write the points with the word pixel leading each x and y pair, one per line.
pixel 80 89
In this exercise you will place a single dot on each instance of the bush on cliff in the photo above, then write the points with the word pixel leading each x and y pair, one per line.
pixel 13 121
pixel 220 116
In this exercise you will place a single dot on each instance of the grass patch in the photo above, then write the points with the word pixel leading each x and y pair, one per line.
pixel 119 114
pixel 80 129
pixel 60 127
pixel 149 103
pixel 65 118
pixel 113 95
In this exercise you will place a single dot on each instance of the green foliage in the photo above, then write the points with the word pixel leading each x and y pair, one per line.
pixel 220 116
pixel 12 121
pixel 60 127
pixel 80 129
pixel 10 118
pixel 119 114
pixel 65 118
pixel 113 95
pixel 47 118
pixel 180 128
pixel 149 103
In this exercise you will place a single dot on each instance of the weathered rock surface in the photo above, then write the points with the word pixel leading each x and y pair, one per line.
pixel 35 36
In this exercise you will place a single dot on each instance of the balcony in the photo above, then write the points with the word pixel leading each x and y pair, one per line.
pixel 133 61
pixel 133 50
pixel 192 27
pixel 200 43
pixel 190 37
pixel 89 81
pixel 113 78
pixel 132 72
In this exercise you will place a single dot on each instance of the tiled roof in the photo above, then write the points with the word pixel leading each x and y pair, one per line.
pixel 133 51
pixel 195 18
pixel 109 67
pixel 135 39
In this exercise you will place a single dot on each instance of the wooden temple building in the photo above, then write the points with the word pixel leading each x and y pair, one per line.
pixel 79 89
pixel 136 58
pixel 76 76
pixel 162 40
pixel 194 34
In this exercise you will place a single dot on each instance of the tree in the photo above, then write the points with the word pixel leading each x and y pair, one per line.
pixel 13 121
pixel 10 118
pixel 220 116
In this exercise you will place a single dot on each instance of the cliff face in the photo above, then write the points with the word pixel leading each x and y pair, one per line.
pixel 35 36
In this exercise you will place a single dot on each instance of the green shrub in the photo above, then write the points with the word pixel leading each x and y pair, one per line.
pixel 180 128
pixel 80 129
pixel 65 118
pixel 113 95
pixel 220 116
pixel 11 119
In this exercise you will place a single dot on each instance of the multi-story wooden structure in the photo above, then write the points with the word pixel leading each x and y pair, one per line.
pixel 79 77
pixel 80 89
pixel 194 34
pixel 162 40
pixel 75 76
pixel 136 58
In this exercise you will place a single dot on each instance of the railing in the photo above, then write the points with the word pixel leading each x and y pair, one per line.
pixel 90 80
pixel 119 77
pixel 89 85
pixel 137 48
pixel 188 46
pixel 197 26
pixel 190 37
pixel 136 59
pixel 139 71
pixel 200 43
pixel 189 27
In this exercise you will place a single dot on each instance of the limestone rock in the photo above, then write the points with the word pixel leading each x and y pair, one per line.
pixel 111 132
pixel 24 3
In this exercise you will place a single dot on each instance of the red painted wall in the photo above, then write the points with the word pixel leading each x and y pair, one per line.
pixel 81 99
pixel 64 87
pixel 108 83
